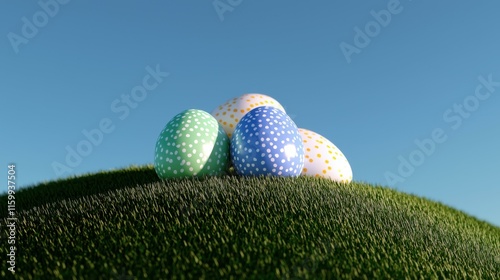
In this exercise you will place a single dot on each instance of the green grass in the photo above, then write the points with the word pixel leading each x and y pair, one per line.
pixel 127 224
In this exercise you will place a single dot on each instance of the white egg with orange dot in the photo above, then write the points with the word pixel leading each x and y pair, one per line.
pixel 231 112
pixel 323 159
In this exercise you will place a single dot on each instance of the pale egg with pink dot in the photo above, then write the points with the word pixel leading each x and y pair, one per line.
pixel 231 112
pixel 323 159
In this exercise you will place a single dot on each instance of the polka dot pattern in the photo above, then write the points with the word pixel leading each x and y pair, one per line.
pixel 267 142
pixel 323 159
pixel 231 112
pixel 191 144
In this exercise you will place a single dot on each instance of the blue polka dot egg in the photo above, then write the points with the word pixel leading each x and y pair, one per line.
pixel 267 142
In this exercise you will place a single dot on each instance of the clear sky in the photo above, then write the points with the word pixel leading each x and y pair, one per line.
pixel 412 100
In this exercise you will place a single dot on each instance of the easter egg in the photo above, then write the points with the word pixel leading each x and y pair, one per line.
pixel 323 159
pixel 267 142
pixel 191 144
pixel 231 112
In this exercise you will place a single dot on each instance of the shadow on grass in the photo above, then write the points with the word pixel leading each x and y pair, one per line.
pixel 70 188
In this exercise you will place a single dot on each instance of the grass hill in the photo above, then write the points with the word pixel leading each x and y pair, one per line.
pixel 127 224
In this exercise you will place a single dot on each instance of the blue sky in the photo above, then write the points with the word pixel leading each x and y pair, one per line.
pixel 65 69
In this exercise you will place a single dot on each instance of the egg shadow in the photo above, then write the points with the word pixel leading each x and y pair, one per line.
pixel 221 136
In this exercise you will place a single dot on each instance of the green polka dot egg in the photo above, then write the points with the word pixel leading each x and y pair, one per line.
pixel 193 143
